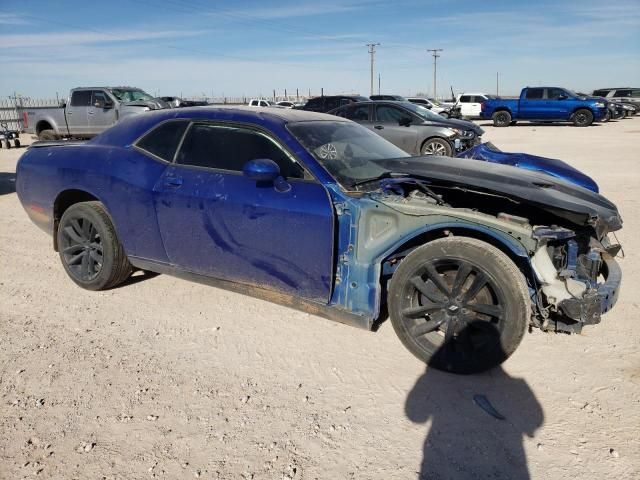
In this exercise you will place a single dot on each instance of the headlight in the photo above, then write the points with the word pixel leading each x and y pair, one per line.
pixel 464 133
pixel 601 104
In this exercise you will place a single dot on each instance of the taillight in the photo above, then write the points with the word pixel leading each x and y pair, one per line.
pixel 482 106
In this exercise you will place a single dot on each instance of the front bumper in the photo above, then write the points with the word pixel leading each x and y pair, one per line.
pixel 589 309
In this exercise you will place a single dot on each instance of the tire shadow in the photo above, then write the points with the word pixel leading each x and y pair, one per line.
pixel 540 124
pixel 7 183
pixel 465 439
pixel 136 277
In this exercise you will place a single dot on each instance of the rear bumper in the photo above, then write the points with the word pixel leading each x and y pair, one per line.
pixel 589 309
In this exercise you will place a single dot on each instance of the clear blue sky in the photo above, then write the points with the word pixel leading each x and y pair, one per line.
pixel 250 47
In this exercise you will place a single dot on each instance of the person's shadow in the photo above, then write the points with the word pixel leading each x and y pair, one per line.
pixel 465 441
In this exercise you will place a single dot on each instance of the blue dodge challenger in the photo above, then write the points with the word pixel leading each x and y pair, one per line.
pixel 320 214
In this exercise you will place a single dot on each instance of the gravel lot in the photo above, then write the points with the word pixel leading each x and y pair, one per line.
pixel 170 379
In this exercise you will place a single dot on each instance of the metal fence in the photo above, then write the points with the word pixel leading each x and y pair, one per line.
pixel 12 109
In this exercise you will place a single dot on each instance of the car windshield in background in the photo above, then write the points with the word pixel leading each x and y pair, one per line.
pixel 125 95
pixel 348 151
pixel 421 111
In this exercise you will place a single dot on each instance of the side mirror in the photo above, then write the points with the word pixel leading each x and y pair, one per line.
pixel 108 104
pixel 261 170
pixel 562 97
pixel 405 122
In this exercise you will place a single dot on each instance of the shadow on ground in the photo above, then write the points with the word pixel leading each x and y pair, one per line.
pixel 7 183
pixel 465 440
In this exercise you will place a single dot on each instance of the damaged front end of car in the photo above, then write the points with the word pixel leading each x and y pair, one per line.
pixel 567 231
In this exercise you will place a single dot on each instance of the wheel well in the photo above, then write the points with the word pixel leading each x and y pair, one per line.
pixel 403 250
pixel 502 109
pixel 63 201
pixel 43 125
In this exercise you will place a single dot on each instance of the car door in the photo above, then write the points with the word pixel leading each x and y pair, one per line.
pixel 465 105
pixel 101 113
pixel 387 124
pixel 77 112
pixel 532 105
pixel 475 106
pixel 217 222
pixel 556 104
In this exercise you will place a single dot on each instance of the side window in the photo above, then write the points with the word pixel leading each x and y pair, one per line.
pixel 635 93
pixel 99 99
pixel 600 93
pixel 554 93
pixel 163 140
pixel 623 93
pixel 534 94
pixel 81 98
pixel 479 99
pixel 314 102
pixel 465 99
pixel 254 103
pixel 263 103
pixel 358 113
pixel 229 148
pixel 345 101
pixel 386 113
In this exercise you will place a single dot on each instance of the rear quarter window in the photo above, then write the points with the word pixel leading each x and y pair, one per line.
pixel 163 140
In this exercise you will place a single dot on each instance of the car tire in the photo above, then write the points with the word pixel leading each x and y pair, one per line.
pixel 436 146
pixel 582 118
pixel 47 134
pixel 459 326
pixel 89 248
pixel 445 114
pixel 16 143
pixel 501 118
pixel 607 116
pixel 7 144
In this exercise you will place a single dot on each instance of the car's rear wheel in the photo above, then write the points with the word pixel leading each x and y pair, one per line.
pixel 16 143
pixel 7 145
pixel 582 118
pixel 47 134
pixel 436 146
pixel 501 118
pixel 459 304
pixel 89 249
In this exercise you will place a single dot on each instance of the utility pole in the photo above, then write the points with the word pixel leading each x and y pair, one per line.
pixel 372 53
pixel 378 84
pixel 435 68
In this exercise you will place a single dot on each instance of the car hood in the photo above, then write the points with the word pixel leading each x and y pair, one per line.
pixel 155 104
pixel 559 197
pixel 454 123
pixel 551 166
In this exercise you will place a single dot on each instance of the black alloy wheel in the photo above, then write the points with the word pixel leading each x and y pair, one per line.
pixel 81 248
pixel 459 304
pixel 89 248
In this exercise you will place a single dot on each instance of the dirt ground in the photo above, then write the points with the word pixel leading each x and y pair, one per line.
pixel 162 378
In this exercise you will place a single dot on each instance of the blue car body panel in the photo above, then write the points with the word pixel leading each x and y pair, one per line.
pixel 544 109
pixel 555 168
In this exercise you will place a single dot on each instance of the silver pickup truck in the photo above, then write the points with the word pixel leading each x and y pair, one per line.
pixel 88 111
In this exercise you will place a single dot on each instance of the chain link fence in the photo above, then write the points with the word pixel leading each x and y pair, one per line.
pixel 12 110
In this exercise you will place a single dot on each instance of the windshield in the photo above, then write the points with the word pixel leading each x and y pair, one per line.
pixel 347 150
pixel 421 111
pixel 130 95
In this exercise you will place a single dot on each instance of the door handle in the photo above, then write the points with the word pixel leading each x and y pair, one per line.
pixel 173 181
pixel 379 127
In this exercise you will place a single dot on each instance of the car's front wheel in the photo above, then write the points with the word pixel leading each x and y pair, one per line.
pixel 582 118
pixel 459 304
pixel 436 146
pixel 89 249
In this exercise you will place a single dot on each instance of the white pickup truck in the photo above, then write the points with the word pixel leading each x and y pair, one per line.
pixel 88 111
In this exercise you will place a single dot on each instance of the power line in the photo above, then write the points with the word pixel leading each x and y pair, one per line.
pixel 435 68
pixel 372 52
